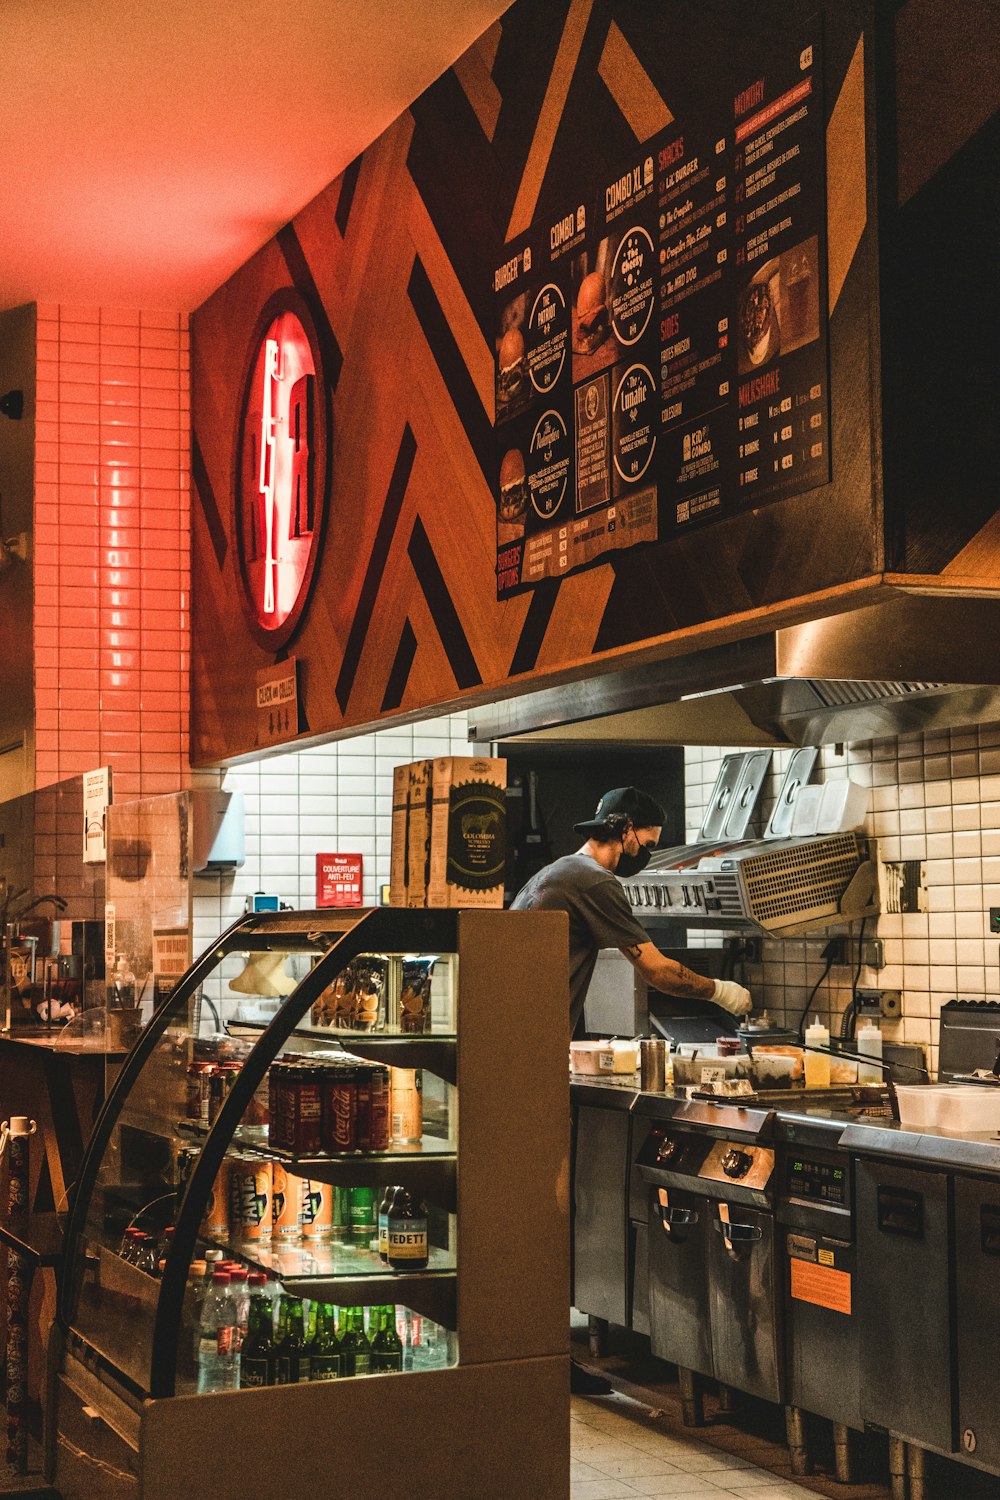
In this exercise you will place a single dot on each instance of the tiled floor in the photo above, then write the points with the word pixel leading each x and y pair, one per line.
pixel 618 1452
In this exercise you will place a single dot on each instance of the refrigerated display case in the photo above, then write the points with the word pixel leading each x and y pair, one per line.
pixel 186 1146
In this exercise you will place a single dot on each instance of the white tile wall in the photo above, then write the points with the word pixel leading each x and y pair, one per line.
pixel 936 798
pixel 336 798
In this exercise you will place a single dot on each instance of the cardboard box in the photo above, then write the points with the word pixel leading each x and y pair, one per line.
pixel 400 835
pixel 419 832
pixel 468 832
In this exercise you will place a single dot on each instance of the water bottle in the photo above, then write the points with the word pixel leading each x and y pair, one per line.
pixel 123 984
pixel 241 1300
pixel 217 1357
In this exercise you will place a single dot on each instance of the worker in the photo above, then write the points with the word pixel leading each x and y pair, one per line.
pixel 618 842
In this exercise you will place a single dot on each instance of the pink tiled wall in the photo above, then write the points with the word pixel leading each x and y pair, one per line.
pixel 112 537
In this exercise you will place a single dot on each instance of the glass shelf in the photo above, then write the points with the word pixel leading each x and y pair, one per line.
pixel 249 1139
pixel 345 1039
pixel 327 1260
pixel 349 1278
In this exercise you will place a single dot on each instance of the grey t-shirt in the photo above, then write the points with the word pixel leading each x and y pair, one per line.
pixel 599 917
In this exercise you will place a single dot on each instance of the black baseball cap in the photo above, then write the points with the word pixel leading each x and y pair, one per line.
pixel 623 801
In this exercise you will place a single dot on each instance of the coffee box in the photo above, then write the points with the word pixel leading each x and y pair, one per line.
pixel 468 832
pixel 400 835
pixel 418 843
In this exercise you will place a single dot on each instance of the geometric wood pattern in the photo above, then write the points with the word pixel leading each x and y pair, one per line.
pixel 396 258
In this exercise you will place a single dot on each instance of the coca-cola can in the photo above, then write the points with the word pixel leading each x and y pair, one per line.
pixel 340 1114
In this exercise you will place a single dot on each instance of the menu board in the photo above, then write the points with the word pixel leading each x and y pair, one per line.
pixel 661 348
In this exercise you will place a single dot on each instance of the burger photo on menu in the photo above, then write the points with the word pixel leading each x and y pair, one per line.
pixel 759 331
pixel 511 363
pixel 593 344
pixel 512 504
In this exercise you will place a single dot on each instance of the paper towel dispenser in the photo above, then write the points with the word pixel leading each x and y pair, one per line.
pixel 218 830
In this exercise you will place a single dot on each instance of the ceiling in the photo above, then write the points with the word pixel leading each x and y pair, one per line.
pixel 151 147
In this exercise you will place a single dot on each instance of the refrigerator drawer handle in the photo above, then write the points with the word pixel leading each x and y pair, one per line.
pixel 901 1212
pixel 675 1218
pixel 738 1236
pixel 989 1229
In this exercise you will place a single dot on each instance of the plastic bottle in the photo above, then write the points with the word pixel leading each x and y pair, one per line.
pixel 817 1066
pixel 123 984
pixel 187 1344
pixel 163 1249
pixel 145 1257
pixel 241 1297
pixel 129 1245
pixel 218 1361
pixel 869 1043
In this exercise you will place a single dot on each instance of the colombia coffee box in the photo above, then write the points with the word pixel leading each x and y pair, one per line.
pixel 468 832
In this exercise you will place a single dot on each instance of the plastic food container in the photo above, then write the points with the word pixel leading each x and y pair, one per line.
pixel 707 1067
pixel 954 1109
pixel 604 1057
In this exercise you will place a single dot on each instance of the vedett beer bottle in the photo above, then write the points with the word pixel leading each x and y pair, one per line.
pixel 406 1246
pixel 383 1225
pixel 257 1354
pixel 327 1361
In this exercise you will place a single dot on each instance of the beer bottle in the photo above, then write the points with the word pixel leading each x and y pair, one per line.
pixel 406 1248
pixel 387 1347
pixel 257 1354
pixel 354 1343
pixel 383 1225
pixel 291 1362
pixel 326 1362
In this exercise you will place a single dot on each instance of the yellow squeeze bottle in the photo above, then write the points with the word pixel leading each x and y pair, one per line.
pixel 817 1066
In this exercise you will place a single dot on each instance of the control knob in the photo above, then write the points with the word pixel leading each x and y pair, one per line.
pixel 736 1163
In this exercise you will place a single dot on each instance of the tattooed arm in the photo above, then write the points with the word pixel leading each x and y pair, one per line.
pixel 662 973
pixel 665 974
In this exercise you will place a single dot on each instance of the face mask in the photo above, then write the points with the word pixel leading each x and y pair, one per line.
pixel 632 864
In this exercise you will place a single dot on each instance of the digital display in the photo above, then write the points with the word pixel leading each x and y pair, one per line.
pixel 817 1180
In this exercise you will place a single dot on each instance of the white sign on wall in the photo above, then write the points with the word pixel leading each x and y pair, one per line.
pixel 96 801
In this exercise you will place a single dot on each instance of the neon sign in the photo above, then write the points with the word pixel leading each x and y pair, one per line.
pixel 282 470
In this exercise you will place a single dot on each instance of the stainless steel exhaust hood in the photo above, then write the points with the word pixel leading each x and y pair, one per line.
pixel 911 663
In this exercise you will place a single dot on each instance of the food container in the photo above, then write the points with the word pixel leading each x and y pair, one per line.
pixel 771 1070
pixel 954 1109
pixel 704 1065
pixel 795 1055
pixel 604 1057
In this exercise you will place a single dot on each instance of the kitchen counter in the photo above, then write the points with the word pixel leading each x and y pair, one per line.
pixel 800 1119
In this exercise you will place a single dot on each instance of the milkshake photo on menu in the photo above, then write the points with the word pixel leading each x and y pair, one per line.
pixel 779 307
pixel 593 344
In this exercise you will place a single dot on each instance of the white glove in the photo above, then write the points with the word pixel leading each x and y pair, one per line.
pixel 732 997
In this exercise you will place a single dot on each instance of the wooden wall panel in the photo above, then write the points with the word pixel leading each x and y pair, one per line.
pixel 396 258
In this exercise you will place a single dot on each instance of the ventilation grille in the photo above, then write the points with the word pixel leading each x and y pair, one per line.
pixel 814 875
pixel 727 888
pixel 840 694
